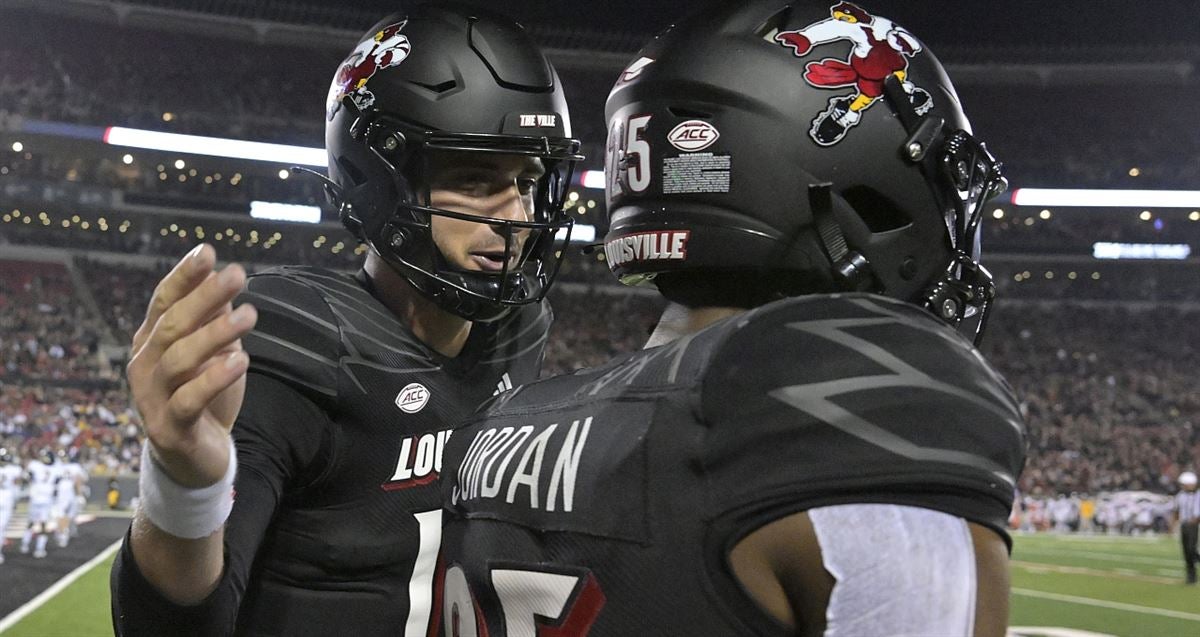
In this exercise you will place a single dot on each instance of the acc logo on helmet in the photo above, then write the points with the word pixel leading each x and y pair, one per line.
pixel 693 135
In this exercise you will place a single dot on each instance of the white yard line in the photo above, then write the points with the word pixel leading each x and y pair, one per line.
pixel 67 580
pixel 1156 561
pixel 1088 601
pixel 1052 631
pixel 1091 537
pixel 1039 567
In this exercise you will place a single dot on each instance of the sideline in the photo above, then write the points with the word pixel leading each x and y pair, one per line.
pixel 57 587
pixel 1088 601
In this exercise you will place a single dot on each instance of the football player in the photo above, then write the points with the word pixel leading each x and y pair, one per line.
pixel 808 445
pixel 1187 518
pixel 41 474
pixel 71 482
pixel 10 480
pixel 449 152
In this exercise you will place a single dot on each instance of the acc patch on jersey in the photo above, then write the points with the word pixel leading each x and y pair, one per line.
pixel 412 398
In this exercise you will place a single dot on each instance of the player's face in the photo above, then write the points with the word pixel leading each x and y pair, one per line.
pixel 497 186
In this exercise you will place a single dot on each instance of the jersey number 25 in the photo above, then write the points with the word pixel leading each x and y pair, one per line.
pixel 533 603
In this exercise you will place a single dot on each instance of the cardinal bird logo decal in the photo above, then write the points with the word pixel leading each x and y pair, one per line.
pixel 387 48
pixel 881 48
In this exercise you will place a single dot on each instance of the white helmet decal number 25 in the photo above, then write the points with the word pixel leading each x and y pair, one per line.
pixel 629 155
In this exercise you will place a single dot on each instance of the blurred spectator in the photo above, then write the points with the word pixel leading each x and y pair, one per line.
pixel 44 332
pixel 98 427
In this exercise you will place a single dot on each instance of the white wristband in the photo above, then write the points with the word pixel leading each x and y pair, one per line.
pixel 185 513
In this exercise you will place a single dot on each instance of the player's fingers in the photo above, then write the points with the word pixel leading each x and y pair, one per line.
pixel 189 313
pixel 224 309
pixel 143 360
pixel 185 359
pixel 191 398
pixel 188 273
pixel 143 363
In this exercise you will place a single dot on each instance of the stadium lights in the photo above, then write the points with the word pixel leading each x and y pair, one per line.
pixel 593 179
pixel 18 147
pixel 215 146
pixel 284 212
pixel 1172 251
pixel 1067 197
pixel 581 233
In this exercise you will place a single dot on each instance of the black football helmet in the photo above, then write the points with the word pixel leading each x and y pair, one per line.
pixel 448 78
pixel 768 149
pixel 46 455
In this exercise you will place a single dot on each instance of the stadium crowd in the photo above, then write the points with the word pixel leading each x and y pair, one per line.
pixel 45 334
pixel 98 428
pixel 80 76
pixel 1110 394
pixel 1109 391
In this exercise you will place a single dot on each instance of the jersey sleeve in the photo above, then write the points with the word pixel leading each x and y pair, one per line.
pixel 282 438
pixel 297 338
pixel 857 399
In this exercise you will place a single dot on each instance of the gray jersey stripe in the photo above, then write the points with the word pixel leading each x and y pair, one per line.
pixel 260 299
pixel 390 326
pixel 343 281
pixel 418 354
pixel 388 368
pixel 353 300
pixel 835 416
pixel 293 347
pixel 275 372
pixel 539 322
pixel 907 374
pixel 536 344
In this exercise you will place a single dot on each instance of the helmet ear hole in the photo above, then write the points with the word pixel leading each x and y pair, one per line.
pixel 774 24
pixel 688 113
pixel 356 176
pixel 879 213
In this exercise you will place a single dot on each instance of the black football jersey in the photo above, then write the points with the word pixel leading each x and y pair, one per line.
pixel 605 502
pixel 337 518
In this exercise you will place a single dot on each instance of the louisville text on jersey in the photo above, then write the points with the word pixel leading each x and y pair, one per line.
pixel 420 460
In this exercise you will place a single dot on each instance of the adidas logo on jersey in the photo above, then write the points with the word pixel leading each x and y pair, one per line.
pixel 420 461
pixel 503 385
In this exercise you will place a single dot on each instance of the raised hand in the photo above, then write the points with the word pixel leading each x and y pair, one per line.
pixel 187 374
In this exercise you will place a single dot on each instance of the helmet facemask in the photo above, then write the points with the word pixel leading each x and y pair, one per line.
pixel 451 79
pixel 404 237
pixel 964 175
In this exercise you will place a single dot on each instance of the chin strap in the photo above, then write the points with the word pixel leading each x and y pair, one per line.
pixel 851 271
pixel 336 196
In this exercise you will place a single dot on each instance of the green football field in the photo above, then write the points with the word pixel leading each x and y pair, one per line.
pixel 1109 585
pixel 1098 584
